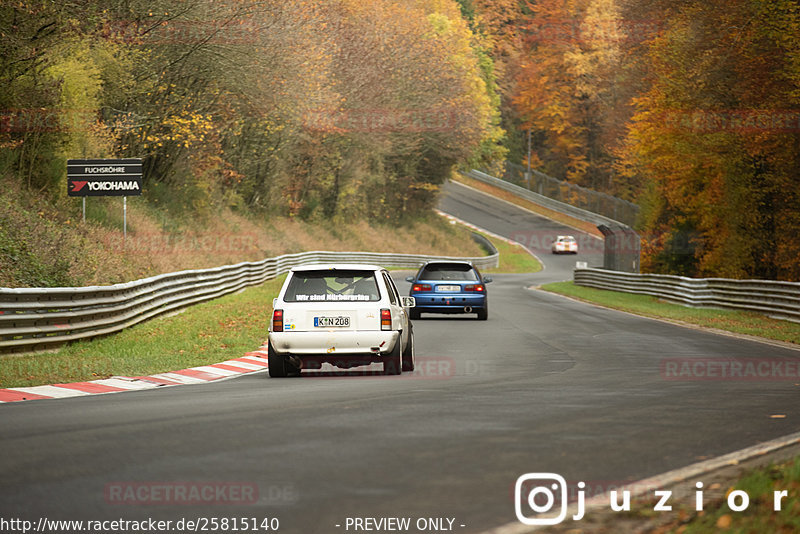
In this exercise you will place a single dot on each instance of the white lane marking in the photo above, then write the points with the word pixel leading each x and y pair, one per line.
pixel 255 359
pixel 215 370
pixel 51 391
pixel 123 383
pixel 245 365
pixel 474 227
pixel 241 367
pixel 183 379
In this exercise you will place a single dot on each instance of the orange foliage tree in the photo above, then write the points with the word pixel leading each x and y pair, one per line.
pixel 715 141
pixel 567 87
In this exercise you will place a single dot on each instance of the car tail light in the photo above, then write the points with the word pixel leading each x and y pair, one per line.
pixel 277 321
pixel 386 319
pixel 421 287
pixel 477 287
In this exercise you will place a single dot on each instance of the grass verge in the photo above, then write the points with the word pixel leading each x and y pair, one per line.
pixel 738 322
pixel 760 516
pixel 207 333
pixel 513 258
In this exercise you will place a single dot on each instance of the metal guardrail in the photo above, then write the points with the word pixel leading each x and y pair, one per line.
pixel 773 298
pixel 486 245
pixel 555 205
pixel 622 244
pixel 610 206
pixel 37 318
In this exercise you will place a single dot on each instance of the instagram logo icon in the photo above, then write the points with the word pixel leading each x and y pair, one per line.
pixel 541 499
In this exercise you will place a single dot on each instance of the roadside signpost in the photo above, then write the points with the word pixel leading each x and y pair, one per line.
pixel 105 178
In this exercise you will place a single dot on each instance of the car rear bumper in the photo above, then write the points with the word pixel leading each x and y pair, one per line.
pixel 334 343
pixel 449 304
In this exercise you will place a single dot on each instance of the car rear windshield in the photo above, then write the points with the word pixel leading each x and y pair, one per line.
pixel 448 271
pixel 332 286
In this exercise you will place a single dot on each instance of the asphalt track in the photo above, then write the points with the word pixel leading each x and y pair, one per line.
pixel 545 385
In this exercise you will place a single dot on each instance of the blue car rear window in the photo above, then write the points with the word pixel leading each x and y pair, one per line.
pixel 447 271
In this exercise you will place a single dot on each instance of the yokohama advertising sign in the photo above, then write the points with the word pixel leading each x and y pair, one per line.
pixel 104 177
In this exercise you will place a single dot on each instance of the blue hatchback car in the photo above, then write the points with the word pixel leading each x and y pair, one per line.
pixel 449 287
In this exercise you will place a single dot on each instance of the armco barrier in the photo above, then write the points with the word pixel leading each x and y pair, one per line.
pixel 773 298
pixel 622 244
pixel 37 318
pixel 573 194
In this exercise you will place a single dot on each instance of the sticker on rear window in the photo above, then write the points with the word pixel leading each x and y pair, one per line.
pixel 329 298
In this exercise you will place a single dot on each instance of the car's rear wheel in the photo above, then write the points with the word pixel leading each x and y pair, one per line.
pixel 483 314
pixel 276 363
pixel 408 353
pixel 413 314
pixel 393 364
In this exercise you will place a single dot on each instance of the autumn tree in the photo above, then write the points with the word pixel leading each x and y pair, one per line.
pixel 567 90
pixel 715 141
pixel 313 109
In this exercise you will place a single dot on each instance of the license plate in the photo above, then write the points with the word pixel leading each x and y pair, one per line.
pixel 448 289
pixel 324 322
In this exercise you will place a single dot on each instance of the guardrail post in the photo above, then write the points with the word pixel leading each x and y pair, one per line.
pixel 622 248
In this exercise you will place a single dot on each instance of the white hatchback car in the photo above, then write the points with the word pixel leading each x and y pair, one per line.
pixel 565 244
pixel 342 314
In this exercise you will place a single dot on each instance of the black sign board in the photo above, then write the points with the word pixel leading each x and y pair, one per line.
pixel 104 177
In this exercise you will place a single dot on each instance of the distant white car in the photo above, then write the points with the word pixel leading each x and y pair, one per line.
pixel 565 244
pixel 342 314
